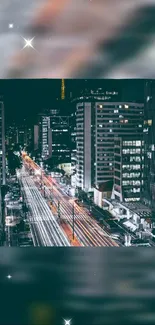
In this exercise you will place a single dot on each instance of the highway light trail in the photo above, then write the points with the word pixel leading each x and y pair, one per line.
pixel 45 228
pixel 87 230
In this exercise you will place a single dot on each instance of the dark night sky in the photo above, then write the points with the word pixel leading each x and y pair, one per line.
pixel 25 98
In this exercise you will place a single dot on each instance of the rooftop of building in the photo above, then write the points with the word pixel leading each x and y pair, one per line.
pixel 139 208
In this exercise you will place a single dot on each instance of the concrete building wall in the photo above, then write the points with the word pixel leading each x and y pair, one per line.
pixel 87 147
pixel 36 137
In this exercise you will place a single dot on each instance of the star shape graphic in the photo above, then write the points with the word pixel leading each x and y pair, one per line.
pixel 67 321
pixel 28 43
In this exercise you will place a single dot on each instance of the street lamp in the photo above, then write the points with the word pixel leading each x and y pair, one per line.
pixel 73 214
pixel 41 178
pixel 90 207
pixel 59 209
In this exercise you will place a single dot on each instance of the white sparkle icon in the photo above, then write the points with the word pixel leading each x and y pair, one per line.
pixel 9 276
pixel 67 322
pixel 10 26
pixel 28 43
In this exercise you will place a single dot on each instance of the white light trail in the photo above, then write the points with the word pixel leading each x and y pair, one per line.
pixel 44 222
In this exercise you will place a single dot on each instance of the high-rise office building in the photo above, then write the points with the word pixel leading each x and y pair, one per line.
pixel 73 138
pixel 20 135
pixel 86 135
pixel 61 140
pixel 54 137
pixel 45 137
pixel 128 168
pixel 24 135
pixel 36 137
pixel 11 135
pixel 149 142
pixel 98 122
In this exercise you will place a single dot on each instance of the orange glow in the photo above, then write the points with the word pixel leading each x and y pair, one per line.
pixel 68 231
pixel 86 225
pixel 49 11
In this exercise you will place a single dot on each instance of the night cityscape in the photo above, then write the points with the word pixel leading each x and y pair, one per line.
pixel 77 163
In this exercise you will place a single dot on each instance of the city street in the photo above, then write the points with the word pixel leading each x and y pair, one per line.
pixel 44 227
pixel 88 232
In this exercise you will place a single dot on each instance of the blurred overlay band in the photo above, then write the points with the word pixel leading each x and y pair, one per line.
pixel 76 39
pixel 89 286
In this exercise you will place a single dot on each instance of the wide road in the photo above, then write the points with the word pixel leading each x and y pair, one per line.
pixel 87 230
pixel 44 227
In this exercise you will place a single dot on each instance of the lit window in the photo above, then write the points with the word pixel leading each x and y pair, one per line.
pixel 110 121
pixel 136 183
pixel 149 122
pixel 125 182
pixel 126 106
pixel 110 130
pixel 116 111
pixel 120 106
pixel 100 106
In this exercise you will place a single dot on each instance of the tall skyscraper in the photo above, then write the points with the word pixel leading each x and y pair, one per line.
pixel 98 122
pixel 73 138
pixel 86 136
pixel 54 137
pixel 11 135
pixel 20 135
pixel 149 141
pixel 45 136
pixel 128 167
pixel 62 89
pixel 61 139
